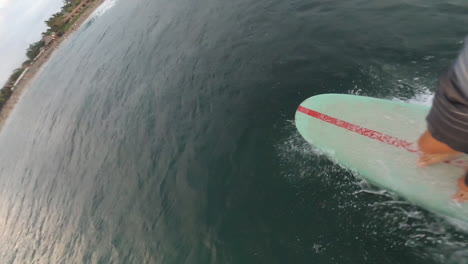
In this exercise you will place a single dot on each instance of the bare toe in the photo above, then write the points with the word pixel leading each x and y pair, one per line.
pixel 429 159
pixel 462 194
pixel 424 160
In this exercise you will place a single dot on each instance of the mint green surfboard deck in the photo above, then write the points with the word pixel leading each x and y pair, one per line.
pixel 377 138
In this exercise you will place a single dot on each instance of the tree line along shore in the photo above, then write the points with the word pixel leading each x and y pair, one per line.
pixel 58 24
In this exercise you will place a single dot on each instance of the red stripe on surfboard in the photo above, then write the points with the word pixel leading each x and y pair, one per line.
pixel 390 140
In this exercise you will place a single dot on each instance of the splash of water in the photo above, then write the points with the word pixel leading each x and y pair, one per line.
pixel 101 10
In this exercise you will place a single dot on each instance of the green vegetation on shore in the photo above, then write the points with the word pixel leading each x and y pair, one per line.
pixel 58 24
pixel 34 50
pixel 61 21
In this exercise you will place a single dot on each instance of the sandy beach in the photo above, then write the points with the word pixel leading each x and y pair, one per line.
pixel 36 66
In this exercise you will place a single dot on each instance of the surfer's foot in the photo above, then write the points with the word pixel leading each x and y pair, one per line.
pixel 434 151
pixel 462 194
pixel 429 159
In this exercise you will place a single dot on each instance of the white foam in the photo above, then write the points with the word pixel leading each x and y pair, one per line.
pixel 101 10
pixel 424 98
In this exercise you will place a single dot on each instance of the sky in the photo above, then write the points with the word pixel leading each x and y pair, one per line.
pixel 21 23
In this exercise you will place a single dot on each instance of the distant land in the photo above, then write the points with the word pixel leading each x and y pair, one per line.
pixel 60 26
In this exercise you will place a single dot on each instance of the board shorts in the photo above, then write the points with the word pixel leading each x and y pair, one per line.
pixel 448 117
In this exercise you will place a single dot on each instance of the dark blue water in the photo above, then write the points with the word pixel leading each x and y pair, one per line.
pixel 162 132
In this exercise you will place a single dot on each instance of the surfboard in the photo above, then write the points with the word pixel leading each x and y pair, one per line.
pixel 378 139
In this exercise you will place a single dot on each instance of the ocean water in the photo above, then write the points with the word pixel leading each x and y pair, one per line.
pixel 162 132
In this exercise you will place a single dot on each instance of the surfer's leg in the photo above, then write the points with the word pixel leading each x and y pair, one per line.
pixel 434 151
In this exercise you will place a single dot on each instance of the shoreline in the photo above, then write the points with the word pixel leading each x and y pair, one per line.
pixel 35 67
